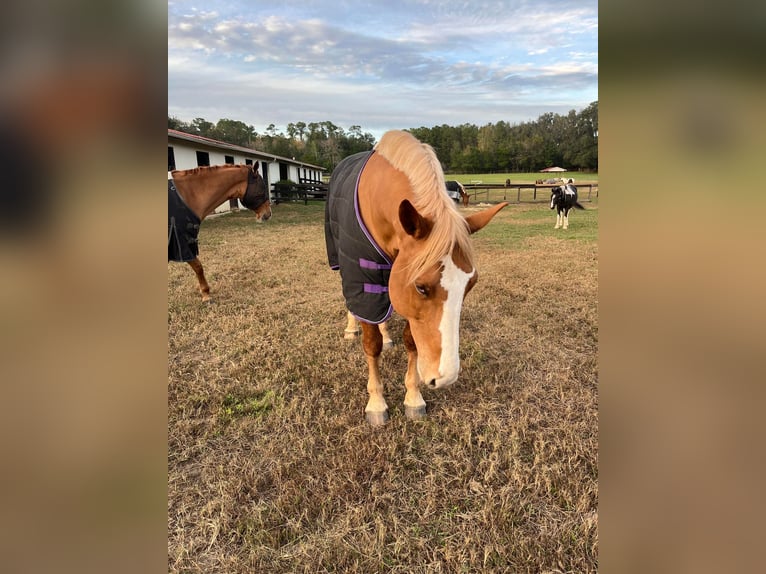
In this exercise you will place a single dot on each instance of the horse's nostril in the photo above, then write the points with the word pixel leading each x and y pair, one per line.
pixel 432 383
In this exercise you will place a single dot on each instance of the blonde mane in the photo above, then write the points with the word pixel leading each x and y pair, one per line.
pixel 419 163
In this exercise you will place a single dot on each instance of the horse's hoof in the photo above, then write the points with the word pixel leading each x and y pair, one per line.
pixel 350 335
pixel 388 344
pixel 415 413
pixel 376 419
pixel 207 299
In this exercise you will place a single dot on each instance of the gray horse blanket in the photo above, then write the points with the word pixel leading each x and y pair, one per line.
pixel 183 228
pixel 364 267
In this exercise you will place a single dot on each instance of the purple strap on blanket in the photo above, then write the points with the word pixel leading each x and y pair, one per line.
pixel 367 264
pixel 377 289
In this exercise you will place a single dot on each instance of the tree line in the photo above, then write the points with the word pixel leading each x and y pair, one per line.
pixel 569 141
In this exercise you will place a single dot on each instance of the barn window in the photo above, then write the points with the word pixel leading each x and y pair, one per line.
pixel 283 174
pixel 171 158
pixel 229 160
pixel 203 158
pixel 248 161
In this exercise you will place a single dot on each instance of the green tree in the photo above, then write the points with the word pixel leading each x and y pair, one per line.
pixel 202 127
pixel 236 132
pixel 569 140
pixel 175 124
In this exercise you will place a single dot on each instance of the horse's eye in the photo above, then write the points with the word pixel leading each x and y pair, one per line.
pixel 422 289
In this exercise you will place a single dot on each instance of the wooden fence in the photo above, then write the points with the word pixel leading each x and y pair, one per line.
pixel 515 192
pixel 522 192
pixel 303 191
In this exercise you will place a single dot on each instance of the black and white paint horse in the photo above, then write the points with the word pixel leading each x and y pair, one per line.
pixel 564 198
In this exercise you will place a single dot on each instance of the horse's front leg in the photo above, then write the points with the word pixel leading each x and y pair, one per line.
pixel 352 327
pixel 566 219
pixel 558 219
pixel 352 330
pixel 376 410
pixel 204 288
pixel 387 341
pixel 414 405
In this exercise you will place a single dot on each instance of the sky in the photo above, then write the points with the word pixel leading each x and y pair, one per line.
pixel 379 65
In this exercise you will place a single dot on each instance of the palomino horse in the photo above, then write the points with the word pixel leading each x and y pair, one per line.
pixel 457 192
pixel 400 243
pixel 464 195
pixel 193 194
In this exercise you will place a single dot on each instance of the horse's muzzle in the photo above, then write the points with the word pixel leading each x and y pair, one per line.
pixel 442 382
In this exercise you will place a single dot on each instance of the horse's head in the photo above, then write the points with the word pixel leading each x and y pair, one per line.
pixel 556 193
pixel 428 284
pixel 256 196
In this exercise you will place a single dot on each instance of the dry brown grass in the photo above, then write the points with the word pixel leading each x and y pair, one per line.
pixel 272 467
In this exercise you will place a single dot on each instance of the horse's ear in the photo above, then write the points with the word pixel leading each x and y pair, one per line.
pixel 480 219
pixel 413 223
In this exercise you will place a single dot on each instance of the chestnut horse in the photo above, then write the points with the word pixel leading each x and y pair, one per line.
pixel 400 243
pixel 193 194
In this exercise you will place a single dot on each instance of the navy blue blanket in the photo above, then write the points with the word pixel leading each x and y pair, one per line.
pixel 183 228
pixel 364 268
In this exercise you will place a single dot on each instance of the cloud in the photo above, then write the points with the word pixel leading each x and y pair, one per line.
pixel 414 62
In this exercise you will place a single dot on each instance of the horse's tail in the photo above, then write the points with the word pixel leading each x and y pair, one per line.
pixel 577 205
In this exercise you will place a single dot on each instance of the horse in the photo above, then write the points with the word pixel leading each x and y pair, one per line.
pixel 193 194
pixel 563 199
pixel 401 244
pixel 457 192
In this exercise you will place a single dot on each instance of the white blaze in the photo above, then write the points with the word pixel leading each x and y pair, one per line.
pixel 454 281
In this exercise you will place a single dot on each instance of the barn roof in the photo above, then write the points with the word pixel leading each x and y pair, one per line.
pixel 552 169
pixel 232 147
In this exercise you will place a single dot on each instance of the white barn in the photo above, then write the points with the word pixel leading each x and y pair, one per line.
pixel 187 151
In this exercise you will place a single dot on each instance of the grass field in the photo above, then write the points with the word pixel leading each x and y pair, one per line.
pixel 587 184
pixel 271 466
pixel 525 177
